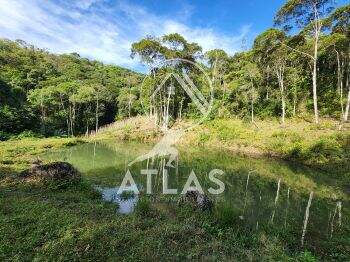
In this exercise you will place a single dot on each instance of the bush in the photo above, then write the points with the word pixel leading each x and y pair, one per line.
pixel 4 136
pixel 226 214
pixel 203 137
pixel 288 135
pixel 296 152
pixel 225 130
pixel 126 132
pixel 143 206
pixel 27 134
pixel 125 195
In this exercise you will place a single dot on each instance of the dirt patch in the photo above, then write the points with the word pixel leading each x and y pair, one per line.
pixel 56 171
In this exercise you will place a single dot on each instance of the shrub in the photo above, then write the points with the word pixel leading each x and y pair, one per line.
pixel 4 136
pixel 226 214
pixel 203 137
pixel 126 132
pixel 127 195
pixel 326 150
pixel 27 134
pixel 143 206
pixel 288 135
pixel 296 151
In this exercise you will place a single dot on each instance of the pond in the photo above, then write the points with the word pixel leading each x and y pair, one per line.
pixel 307 203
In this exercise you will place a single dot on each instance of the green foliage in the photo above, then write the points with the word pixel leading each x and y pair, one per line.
pixel 56 94
pixel 27 134
pixel 226 214
pixel 143 207
pixel 125 195
pixel 203 137
pixel 4 135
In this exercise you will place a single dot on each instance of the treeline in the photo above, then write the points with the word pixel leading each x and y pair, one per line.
pixel 60 94
pixel 299 67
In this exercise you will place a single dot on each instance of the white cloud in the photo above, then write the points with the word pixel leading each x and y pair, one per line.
pixel 85 4
pixel 97 31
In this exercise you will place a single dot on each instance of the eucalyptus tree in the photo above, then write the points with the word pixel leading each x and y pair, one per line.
pixel 339 24
pixel 335 49
pixel 64 95
pixel 167 56
pixel 43 99
pixel 244 80
pixel 306 15
pixel 271 52
pixel 218 61
pixel 126 100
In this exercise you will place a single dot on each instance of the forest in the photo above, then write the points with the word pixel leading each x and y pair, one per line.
pixel 270 127
pixel 59 94
pixel 300 68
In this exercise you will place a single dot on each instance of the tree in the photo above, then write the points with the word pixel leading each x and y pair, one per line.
pixel 270 50
pixel 339 23
pixel 218 61
pixel 308 15
pixel 43 99
pixel 337 45
pixel 64 93
pixel 166 55
pixel 54 94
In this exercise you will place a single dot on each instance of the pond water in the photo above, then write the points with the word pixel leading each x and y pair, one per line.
pixel 261 191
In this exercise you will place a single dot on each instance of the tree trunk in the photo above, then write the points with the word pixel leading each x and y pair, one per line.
pixel 42 113
pixel 279 73
pixel 252 104
pixel 73 119
pixel 340 83
pixel 294 103
pixel 346 115
pixel 70 119
pixel 87 128
pixel 252 111
pixel 167 111
pixel 314 84
pixel 96 115
pixel 180 113
pixel 317 29
pixel 283 103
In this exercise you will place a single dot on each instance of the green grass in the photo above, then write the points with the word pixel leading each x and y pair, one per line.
pixel 16 155
pixel 321 146
pixel 40 222
pixel 74 224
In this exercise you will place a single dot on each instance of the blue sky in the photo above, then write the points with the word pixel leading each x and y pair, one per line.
pixel 105 29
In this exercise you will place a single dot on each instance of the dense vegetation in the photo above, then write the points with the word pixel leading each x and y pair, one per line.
pixel 299 69
pixel 283 75
pixel 57 94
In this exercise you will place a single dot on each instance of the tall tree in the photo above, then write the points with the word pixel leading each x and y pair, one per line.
pixel 218 61
pixel 339 23
pixel 166 55
pixel 306 15
pixel 270 50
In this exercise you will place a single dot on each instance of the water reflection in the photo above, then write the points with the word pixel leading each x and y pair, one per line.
pixel 126 202
pixel 262 192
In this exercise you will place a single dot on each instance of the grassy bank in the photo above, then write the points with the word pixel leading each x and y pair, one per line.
pixel 16 155
pixel 47 223
pixel 73 224
pixel 322 146
pixel 53 223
